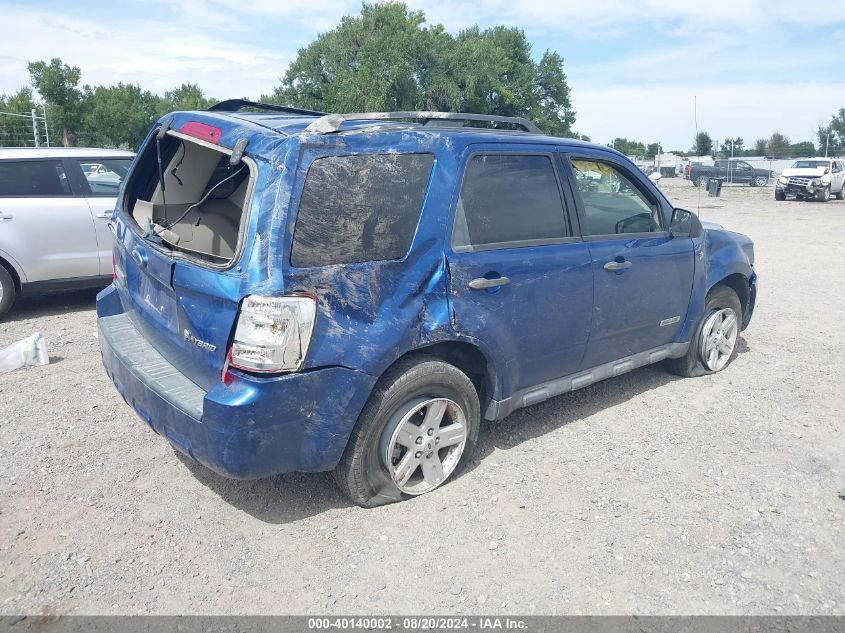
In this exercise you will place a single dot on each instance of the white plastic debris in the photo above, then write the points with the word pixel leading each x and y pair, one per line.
pixel 29 351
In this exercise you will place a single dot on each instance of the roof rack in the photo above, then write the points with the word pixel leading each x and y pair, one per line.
pixel 233 105
pixel 331 122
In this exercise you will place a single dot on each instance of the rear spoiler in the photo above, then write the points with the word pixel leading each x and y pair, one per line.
pixel 233 105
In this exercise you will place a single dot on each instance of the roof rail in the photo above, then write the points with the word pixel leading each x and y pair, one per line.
pixel 233 105
pixel 331 122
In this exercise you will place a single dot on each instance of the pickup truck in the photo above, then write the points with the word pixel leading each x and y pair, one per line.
pixel 812 179
pixel 730 171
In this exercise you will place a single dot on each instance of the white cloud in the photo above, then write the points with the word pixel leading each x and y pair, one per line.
pixel 740 58
pixel 156 54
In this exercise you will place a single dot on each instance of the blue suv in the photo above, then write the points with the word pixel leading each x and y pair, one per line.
pixel 296 291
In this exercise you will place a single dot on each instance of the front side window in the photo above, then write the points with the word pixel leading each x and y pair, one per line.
pixel 509 198
pixel 612 203
pixel 359 208
pixel 104 175
pixel 28 178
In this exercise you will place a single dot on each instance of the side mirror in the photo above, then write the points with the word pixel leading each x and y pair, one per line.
pixel 685 224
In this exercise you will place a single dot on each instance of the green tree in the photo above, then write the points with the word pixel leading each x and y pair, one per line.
pixel 629 148
pixel 778 146
pixel 703 145
pixel 760 147
pixel 832 136
pixel 737 148
pixel 57 83
pixel 387 58
pixel 185 97
pixel 802 149
pixel 16 131
pixel 652 150
pixel 119 116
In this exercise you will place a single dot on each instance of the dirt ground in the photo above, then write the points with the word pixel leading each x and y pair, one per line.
pixel 643 494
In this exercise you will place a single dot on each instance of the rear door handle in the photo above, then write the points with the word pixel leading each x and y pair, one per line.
pixel 482 283
pixel 104 214
pixel 612 266
pixel 5 216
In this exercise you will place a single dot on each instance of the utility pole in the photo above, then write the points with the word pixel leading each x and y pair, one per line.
pixel 34 127
pixel 827 143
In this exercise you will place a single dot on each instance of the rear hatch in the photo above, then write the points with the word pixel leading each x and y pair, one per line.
pixel 178 248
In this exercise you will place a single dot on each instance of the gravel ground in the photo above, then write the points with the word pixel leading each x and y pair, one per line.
pixel 643 494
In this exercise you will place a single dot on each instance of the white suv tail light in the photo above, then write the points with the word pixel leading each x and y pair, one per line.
pixel 273 333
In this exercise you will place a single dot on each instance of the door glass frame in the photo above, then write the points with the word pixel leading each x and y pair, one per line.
pixel 566 201
pixel 662 209
pixel 72 185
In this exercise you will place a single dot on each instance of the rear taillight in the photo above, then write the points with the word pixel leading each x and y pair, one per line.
pixel 273 333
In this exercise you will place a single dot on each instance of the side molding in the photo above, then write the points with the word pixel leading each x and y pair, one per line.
pixel 498 409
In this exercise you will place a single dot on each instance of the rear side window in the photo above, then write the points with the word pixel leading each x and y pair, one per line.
pixel 359 208
pixel 27 178
pixel 509 198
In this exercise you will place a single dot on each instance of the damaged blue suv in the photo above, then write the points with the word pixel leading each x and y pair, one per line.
pixel 296 291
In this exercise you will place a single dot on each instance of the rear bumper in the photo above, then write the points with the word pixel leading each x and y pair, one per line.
pixel 253 427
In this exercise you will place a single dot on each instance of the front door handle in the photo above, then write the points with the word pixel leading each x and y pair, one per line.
pixel 104 214
pixel 482 283
pixel 5 216
pixel 613 266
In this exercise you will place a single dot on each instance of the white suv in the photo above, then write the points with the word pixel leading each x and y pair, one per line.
pixel 55 205
pixel 812 178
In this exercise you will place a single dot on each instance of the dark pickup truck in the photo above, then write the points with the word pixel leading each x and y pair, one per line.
pixel 730 171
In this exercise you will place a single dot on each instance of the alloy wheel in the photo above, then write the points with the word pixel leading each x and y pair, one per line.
pixel 718 339
pixel 426 445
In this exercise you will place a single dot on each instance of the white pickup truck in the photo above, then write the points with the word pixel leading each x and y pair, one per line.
pixel 812 178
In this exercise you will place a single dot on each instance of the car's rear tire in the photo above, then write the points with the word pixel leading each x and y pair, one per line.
pixel 780 196
pixel 759 181
pixel 715 342
pixel 8 292
pixel 701 181
pixel 823 195
pixel 416 431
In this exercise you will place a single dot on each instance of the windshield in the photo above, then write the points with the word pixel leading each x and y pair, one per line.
pixel 810 164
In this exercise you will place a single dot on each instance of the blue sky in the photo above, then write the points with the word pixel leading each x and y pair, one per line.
pixel 635 67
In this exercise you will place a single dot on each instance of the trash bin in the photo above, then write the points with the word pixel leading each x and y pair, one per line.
pixel 714 187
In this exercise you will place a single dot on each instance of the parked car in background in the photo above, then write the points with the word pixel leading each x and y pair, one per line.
pixel 812 178
pixel 730 171
pixel 355 293
pixel 55 205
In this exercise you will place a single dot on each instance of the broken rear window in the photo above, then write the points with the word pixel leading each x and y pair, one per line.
pixel 359 208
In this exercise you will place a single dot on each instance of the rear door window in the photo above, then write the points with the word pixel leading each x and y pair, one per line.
pixel 509 200
pixel 30 178
pixel 359 208
pixel 104 175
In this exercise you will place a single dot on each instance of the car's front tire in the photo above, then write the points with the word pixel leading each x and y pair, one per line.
pixel 701 181
pixel 8 292
pixel 780 196
pixel 714 345
pixel 416 431
pixel 823 195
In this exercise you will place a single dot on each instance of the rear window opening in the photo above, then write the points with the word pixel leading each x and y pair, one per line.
pixel 200 210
